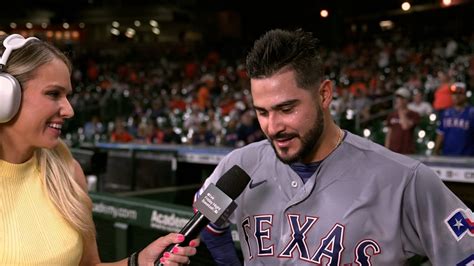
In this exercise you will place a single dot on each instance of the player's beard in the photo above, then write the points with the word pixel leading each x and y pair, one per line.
pixel 309 141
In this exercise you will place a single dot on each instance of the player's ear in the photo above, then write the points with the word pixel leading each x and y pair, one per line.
pixel 325 93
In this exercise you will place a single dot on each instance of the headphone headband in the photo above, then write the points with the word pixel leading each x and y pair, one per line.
pixel 11 43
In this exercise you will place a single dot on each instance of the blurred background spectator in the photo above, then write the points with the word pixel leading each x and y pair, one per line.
pixel 419 105
pixel 401 124
pixel 455 134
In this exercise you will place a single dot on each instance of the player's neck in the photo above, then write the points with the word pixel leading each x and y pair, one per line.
pixel 330 139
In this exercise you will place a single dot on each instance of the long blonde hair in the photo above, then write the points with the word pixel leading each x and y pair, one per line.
pixel 57 165
pixel 72 201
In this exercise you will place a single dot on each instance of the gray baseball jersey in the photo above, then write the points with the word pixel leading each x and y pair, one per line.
pixel 365 205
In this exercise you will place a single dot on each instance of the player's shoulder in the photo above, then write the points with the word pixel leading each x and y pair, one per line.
pixel 250 158
pixel 377 156
pixel 250 154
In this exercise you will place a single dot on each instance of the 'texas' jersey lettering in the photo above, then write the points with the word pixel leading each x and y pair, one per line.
pixel 329 251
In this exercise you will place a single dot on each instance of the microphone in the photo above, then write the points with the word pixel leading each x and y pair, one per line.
pixel 214 205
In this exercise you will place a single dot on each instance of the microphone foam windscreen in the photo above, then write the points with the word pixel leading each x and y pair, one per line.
pixel 233 182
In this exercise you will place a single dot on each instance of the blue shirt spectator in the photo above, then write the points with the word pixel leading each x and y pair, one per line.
pixel 456 129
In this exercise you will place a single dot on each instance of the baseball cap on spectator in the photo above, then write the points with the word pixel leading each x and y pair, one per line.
pixel 458 87
pixel 403 92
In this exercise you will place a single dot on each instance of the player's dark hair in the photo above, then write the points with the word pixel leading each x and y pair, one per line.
pixel 277 49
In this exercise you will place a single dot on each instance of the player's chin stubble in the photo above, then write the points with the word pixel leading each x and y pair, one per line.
pixel 308 142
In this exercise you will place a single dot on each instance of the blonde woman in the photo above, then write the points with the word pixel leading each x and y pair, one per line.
pixel 45 212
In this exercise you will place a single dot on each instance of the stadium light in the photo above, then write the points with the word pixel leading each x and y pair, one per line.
pixel 421 134
pixel 154 23
pixel 156 31
pixel 447 2
pixel 430 145
pixel 367 133
pixel 406 6
pixel 386 24
pixel 115 32
pixel 130 33
pixel 324 13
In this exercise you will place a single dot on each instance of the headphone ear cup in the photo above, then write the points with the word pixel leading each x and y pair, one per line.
pixel 10 97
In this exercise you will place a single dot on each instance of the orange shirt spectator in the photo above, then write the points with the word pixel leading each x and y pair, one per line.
pixel 92 71
pixel 191 70
pixel 120 134
pixel 122 137
pixel 203 97
pixel 355 87
pixel 177 103
pixel 442 97
pixel 227 105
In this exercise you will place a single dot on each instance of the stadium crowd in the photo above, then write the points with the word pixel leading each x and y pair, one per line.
pixel 198 96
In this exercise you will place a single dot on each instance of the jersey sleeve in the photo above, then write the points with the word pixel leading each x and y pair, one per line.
pixel 221 246
pixel 435 223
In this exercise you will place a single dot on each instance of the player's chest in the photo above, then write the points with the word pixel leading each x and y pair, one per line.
pixel 319 209
pixel 334 220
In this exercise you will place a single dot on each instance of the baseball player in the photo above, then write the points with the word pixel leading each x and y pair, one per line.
pixel 320 195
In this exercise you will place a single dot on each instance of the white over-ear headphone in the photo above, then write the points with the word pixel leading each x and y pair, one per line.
pixel 10 89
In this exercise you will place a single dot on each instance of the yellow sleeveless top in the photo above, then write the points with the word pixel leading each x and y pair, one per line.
pixel 32 231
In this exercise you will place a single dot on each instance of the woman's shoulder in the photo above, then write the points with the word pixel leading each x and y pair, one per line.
pixel 79 176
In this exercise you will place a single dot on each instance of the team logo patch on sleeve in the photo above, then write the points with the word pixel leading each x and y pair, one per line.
pixel 460 223
pixel 469 261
